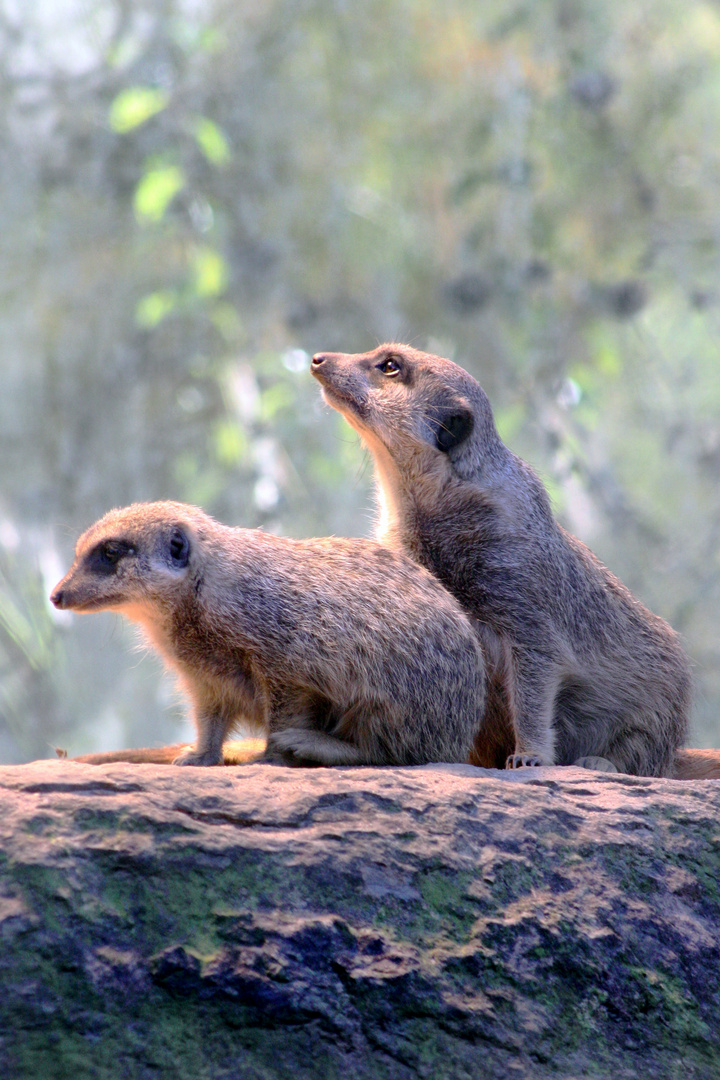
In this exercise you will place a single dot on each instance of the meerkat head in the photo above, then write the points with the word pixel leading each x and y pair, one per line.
pixel 419 414
pixel 131 560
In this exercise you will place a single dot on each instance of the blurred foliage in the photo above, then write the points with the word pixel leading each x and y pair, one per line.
pixel 196 196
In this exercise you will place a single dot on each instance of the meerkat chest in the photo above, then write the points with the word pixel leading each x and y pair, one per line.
pixel 212 646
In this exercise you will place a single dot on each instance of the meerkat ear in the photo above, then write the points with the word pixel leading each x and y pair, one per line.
pixel 179 548
pixel 451 427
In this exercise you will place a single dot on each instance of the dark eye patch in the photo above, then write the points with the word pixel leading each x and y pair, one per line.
pixel 450 427
pixel 104 558
pixel 179 548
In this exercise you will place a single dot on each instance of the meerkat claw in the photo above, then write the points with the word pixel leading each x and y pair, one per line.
pixel 520 761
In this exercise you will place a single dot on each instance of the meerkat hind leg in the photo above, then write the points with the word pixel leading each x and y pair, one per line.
pixel 299 745
pixel 597 764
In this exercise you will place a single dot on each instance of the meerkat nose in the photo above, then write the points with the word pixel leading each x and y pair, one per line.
pixel 318 359
pixel 57 598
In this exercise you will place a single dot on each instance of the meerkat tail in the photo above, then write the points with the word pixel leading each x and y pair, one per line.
pixel 696 765
pixel 143 755
pixel 240 752
pixel 243 751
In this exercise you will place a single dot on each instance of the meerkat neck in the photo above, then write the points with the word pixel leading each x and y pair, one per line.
pixel 403 506
pixel 161 623
pixel 152 623
pixel 389 501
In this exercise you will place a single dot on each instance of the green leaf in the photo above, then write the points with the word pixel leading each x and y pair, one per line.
pixel 608 361
pixel 509 421
pixel 210 272
pixel 154 307
pixel 227 320
pixel 156 191
pixel 132 107
pixel 277 397
pixel 211 141
pixel 231 444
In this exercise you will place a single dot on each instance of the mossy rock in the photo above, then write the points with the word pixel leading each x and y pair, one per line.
pixel 258 922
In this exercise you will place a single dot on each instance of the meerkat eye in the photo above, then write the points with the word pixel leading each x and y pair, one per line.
pixel 107 555
pixel 389 366
pixel 111 553
pixel 179 548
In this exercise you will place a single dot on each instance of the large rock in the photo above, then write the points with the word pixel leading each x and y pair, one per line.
pixel 262 922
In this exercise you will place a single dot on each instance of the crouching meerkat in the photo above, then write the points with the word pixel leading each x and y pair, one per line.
pixel 579 671
pixel 342 652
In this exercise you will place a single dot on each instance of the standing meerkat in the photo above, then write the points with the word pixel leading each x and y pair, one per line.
pixel 580 672
pixel 341 651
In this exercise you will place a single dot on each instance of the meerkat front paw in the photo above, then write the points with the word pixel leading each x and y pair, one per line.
pixel 191 756
pixel 598 764
pixel 519 761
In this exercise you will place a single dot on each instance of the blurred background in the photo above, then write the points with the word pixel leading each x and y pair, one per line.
pixel 198 194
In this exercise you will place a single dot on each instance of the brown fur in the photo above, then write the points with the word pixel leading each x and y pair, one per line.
pixel 696 765
pixel 234 753
pixel 579 671
pixel 688 765
pixel 341 651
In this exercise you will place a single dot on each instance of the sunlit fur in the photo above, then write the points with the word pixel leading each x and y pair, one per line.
pixel 341 651
pixel 579 669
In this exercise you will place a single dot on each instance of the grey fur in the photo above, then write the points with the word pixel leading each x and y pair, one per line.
pixel 578 668
pixel 343 652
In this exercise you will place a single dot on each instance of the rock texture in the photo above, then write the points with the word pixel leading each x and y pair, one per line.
pixel 259 922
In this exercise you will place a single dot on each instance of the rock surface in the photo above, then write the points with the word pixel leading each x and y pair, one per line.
pixel 446 922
